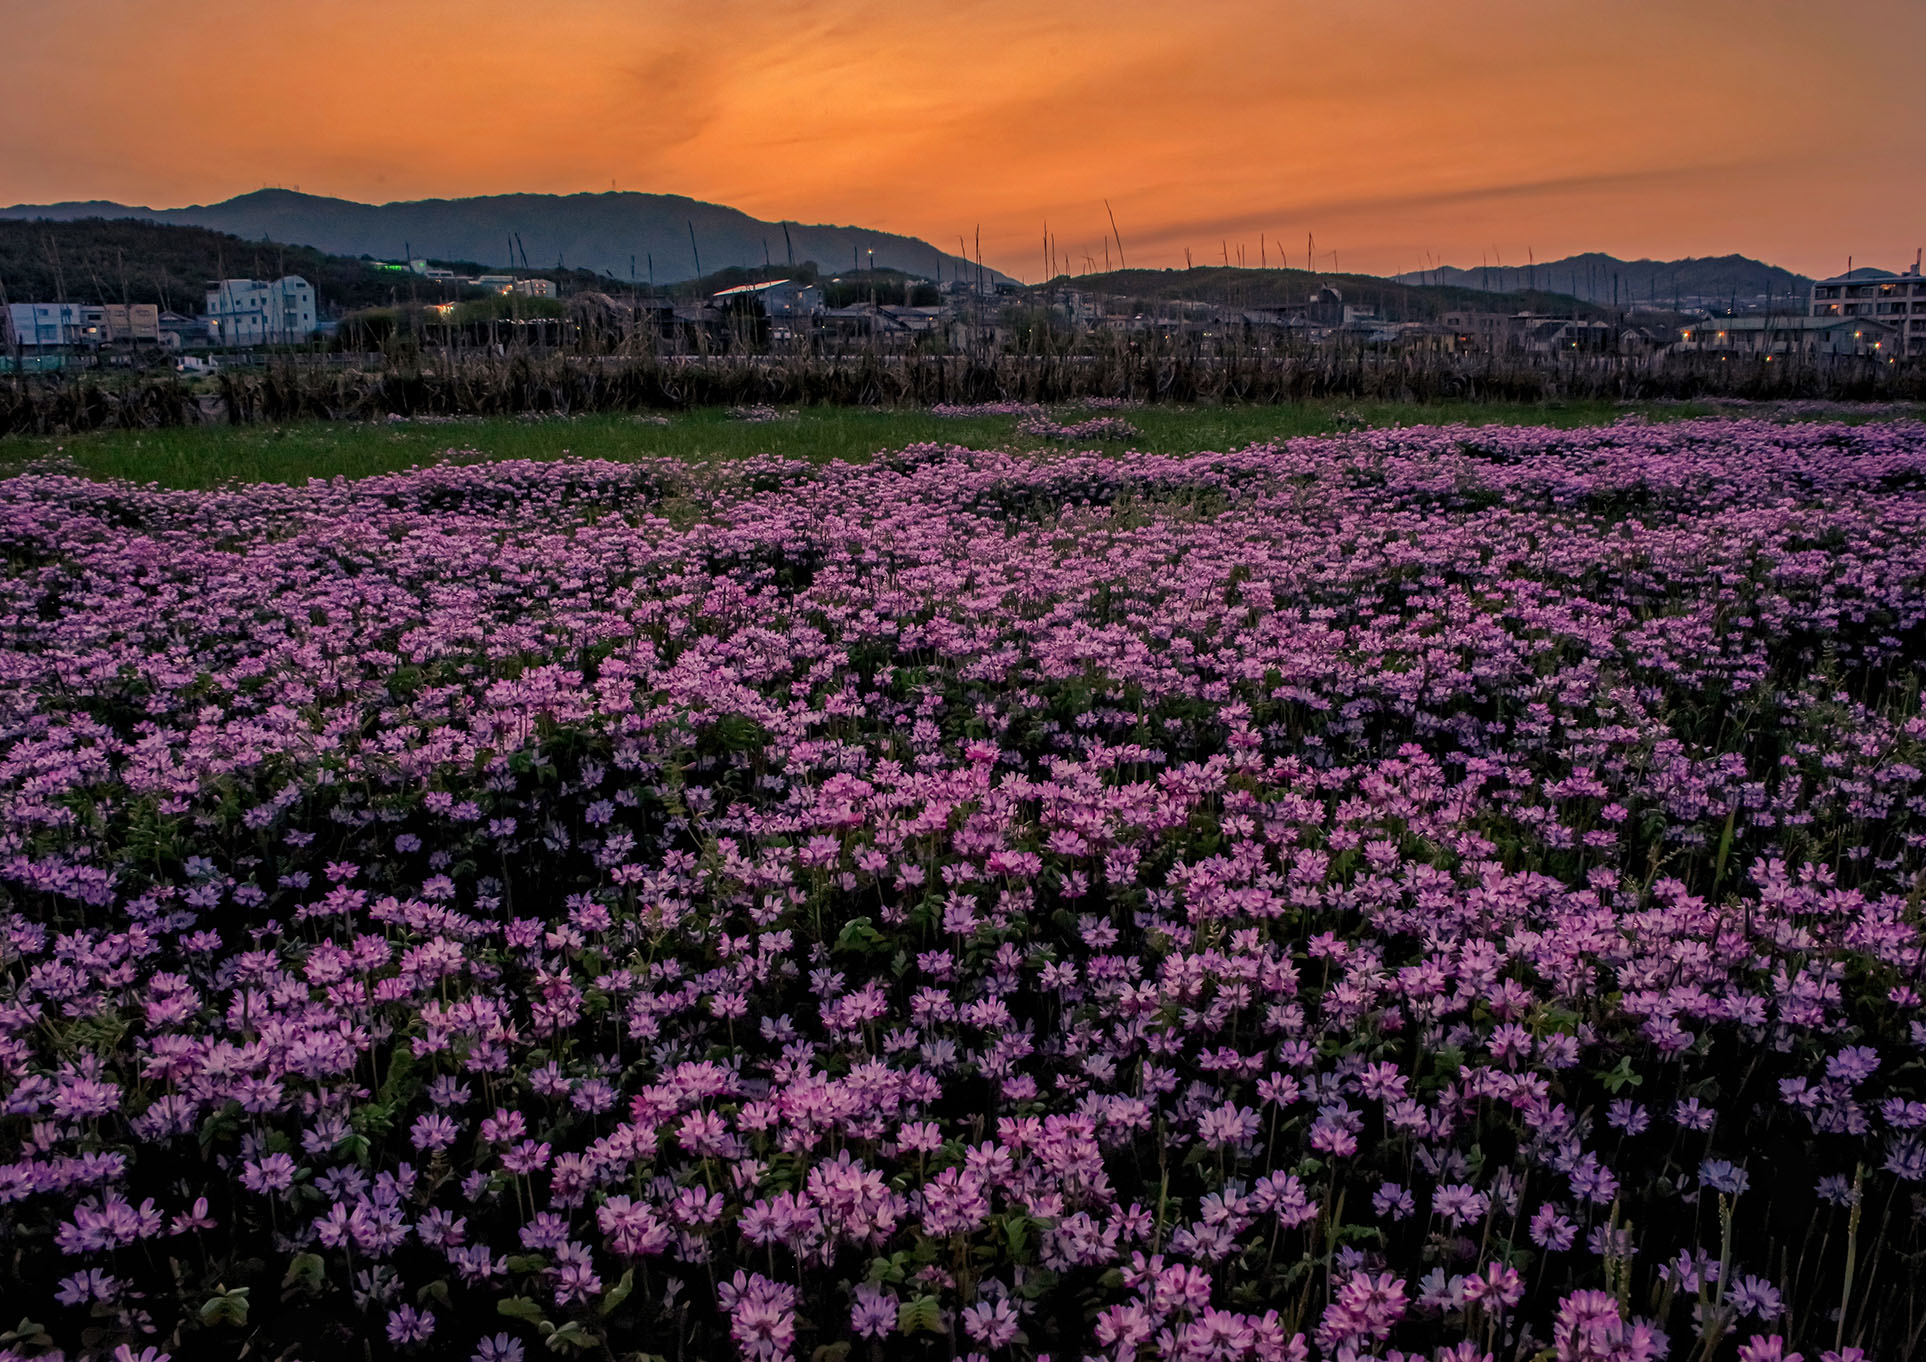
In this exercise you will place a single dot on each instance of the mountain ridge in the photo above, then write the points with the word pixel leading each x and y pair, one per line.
pixel 1598 277
pixel 1259 288
pixel 610 233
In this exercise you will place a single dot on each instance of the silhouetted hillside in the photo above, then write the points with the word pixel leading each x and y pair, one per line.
pixel 1261 288
pixel 611 234
pixel 92 260
pixel 1601 278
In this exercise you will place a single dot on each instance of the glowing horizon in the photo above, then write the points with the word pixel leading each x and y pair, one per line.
pixel 1401 134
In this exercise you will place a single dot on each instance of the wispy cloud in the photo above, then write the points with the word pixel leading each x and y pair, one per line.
pixel 1303 212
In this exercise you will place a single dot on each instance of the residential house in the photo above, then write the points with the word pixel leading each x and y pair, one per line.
pixel 1479 333
pixel 917 321
pixel 859 320
pixel 1641 340
pixel 1827 336
pixel 1430 338
pixel 1556 336
pixel 1325 306
pixel 1276 323
pixel 47 326
pixel 774 298
pixel 127 323
pixel 246 312
pixel 180 332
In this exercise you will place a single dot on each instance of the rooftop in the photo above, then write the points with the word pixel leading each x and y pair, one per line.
pixel 1784 323
pixel 755 288
pixel 1867 274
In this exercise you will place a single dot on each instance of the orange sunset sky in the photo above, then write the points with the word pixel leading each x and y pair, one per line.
pixel 1399 131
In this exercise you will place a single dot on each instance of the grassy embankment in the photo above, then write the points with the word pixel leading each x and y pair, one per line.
pixel 207 456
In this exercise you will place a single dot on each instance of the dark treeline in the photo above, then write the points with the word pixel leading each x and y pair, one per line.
pixel 126 260
pixel 292 388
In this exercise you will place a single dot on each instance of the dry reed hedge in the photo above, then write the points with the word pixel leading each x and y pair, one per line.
pixel 304 389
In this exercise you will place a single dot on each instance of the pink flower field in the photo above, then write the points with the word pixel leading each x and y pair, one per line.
pixel 1440 893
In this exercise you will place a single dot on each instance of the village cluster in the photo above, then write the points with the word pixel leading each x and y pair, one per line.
pixel 1864 314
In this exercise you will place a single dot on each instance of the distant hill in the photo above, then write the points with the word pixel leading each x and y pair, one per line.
pixel 600 233
pixel 1248 288
pixel 1607 280
pixel 89 260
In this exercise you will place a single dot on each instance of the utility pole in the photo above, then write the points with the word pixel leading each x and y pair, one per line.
pixel 13 332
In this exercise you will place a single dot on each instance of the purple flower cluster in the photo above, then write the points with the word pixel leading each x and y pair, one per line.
pixel 1433 893
pixel 1093 428
pixel 977 409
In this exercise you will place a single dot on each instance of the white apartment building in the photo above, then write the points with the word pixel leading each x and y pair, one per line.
pixel 45 325
pixel 1895 300
pixel 260 312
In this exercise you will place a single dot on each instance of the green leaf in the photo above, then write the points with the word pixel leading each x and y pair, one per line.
pixel 1039 1282
pixel 29 1333
pixel 1016 1236
pixel 612 1301
pixel 306 1272
pixel 519 1307
pixel 859 935
pixel 230 1307
pixel 925 1313
pixel 1622 1077
pixel 573 1337
pixel 888 1271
